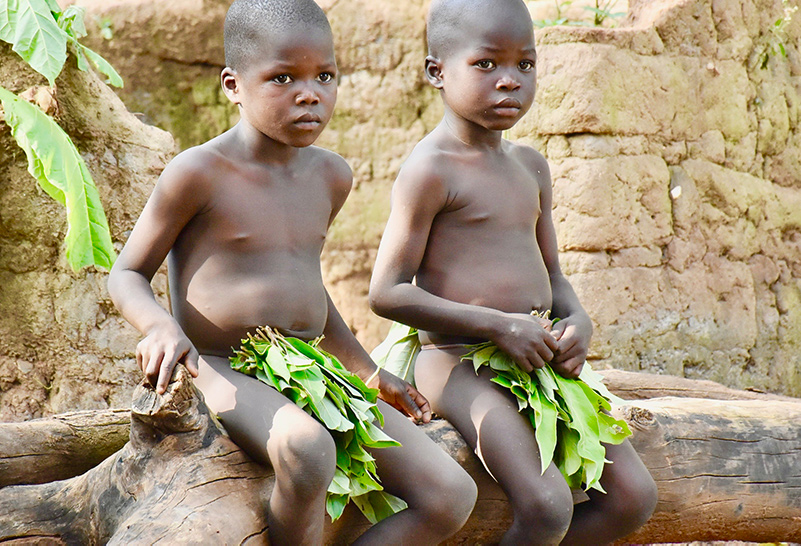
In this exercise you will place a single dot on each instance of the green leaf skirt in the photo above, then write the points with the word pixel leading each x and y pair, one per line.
pixel 570 416
pixel 320 385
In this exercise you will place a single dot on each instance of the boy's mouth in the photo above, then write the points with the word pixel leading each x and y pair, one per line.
pixel 308 121
pixel 508 107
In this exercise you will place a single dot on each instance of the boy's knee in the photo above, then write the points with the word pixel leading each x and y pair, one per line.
pixel 635 504
pixel 303 453
pixel 451 505
pixel 546 515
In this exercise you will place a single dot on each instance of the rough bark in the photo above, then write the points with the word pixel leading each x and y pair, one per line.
pixel 726 470
pixel 179 479
pixel 643 386
pixel 63 446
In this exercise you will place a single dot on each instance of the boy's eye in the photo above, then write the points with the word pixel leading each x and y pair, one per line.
pixel 526 66
pixel 282 78
pixel 326 77
pixel 485 64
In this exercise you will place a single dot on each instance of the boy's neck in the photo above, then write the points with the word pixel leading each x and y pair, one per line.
pixel 471 134
pixel 256 146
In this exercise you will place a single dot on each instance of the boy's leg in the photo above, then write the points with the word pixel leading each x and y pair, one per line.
pixel 486 415
pixel 629 501
pixel 274 431
pixel 439 492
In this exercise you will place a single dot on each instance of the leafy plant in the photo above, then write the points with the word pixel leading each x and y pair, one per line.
pixel 40 32
pixel 569 416
pixel 318 383
pixel 560 18
pixel 601 12
pixel 776 39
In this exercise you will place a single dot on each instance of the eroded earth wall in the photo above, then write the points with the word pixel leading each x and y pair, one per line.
pixel 673 142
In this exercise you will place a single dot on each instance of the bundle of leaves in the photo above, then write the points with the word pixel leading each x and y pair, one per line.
pixel 569 416
pixel 320 385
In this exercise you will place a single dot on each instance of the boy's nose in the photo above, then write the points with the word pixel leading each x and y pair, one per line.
pixel 307 96
pixel 507 83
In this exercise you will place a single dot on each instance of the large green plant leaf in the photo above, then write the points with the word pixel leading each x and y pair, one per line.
pixel 55 163
pixel 30 28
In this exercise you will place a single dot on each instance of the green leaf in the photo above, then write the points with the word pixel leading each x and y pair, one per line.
pixel 58 167
pixel 377 505
pixel 398 352
pixel 71 21
pixel 102 66
pixel 335 505
pixel 30 28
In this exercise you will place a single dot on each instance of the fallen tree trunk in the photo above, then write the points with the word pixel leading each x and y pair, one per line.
pixel 179 479
pixel 644 386
pixel 60 447
pixel 726 470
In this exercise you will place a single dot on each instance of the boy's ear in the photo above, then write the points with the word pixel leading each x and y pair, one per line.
pixel 229 84
pixel 434 71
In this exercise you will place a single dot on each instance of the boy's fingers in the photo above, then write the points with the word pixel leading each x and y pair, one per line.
pixel 165 374
pixel 409 406
pixel 422 403
pixel 191 361
pixel 151 369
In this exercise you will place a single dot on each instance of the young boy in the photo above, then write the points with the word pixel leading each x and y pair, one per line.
pixel 470 251
pixel 242 220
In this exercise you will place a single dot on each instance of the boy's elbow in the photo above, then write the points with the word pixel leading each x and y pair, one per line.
pixel 378 300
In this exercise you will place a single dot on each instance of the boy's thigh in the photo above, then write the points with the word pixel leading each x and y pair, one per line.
pixel 255 415
pixel 487 416
pixel 419 466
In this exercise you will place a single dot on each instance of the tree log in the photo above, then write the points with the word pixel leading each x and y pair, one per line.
pixel 60 447
pixel 179 479
pixel 644 386
pixel 726 470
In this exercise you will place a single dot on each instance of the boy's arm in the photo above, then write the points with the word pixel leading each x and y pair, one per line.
pixel 574 329
pixel 418 195
pixel 174 201
pixel 340 341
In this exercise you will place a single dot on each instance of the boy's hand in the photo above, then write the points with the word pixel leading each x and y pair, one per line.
pixel 527 340
pixel 402 396
pixel 573 335
pixel 160 350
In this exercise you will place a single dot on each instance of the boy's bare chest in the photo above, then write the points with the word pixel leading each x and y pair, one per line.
pixel 252 215
pixel 498 195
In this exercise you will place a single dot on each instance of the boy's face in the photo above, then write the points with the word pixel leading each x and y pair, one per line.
pixel 489 77
pixel 288 89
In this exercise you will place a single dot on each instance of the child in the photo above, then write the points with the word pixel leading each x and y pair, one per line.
pixel 242 220
pixel 470 251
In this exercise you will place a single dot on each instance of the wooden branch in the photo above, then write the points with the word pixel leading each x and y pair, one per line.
pixel 726 470
pixel 179 479
pixel 60 447
pixel 644 386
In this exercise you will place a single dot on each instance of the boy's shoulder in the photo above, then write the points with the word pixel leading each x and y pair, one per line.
pixel 526 155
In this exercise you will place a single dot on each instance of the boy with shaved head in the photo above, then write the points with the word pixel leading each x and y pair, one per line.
pixel 242 220
pixel 468 254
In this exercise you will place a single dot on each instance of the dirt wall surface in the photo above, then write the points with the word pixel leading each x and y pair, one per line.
pixel 673 143
pixel 62 344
